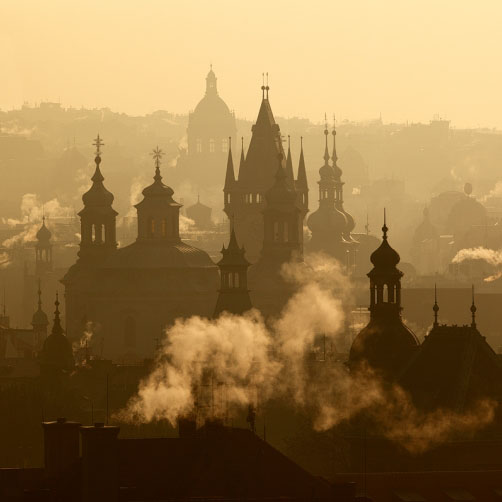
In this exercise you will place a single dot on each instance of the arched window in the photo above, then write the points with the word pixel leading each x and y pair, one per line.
pixel 129 332
pixel 151 227
pixel 164 227
pixel 198 145
pixel 211 145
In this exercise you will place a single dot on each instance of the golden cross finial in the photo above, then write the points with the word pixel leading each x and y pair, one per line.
pixel 157 155
pixel 98 143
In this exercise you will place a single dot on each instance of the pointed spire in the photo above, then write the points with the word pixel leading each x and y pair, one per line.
pixel 334 156
pixel 56 327
pixel 241 163
pixel 435 308
pixel 230 175
pixel 473 310
pixel 289 163
pixel 157 154
pixel 302 172
pixel 326 152
pixel 384 228
pixel 263 86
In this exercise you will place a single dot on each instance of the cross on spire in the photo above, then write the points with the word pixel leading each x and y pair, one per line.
pixel 384 228
pixel 473 309
pixel 98 143
pixel 157 154
pixel 435 308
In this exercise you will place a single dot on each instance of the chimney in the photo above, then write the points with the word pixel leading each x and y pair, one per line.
pixel 61 447
pixel 99 463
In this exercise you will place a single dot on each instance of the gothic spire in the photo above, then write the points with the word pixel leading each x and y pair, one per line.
pixel 302 173
pixel 230 175
pixel 241 163
pixel 289 163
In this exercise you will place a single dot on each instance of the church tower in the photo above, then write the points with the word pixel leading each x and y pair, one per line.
pixel 158 212
pixel 385 344
pixel 244 199
pixel 43 250
pixel 233 295
pixel 98 238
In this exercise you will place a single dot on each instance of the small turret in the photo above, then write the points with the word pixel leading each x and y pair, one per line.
pixel 56 353
pixel 233 295
pixel 43 250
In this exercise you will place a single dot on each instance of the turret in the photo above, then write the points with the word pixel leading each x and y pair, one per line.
pixel 56 353
pixel 158 212
pixel 98 226
pixel 233 295
pixel 43 250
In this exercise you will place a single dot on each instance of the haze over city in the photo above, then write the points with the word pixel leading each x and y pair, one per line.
pixel 408 61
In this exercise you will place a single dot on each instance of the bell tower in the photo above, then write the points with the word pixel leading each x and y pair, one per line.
pixel 98 237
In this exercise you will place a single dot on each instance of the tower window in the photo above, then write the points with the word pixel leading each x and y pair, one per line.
pixel 164 227
pixel 151 228
pixel 286 232
pixel 211 145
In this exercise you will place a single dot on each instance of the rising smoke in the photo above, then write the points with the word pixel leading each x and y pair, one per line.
pixel 250 358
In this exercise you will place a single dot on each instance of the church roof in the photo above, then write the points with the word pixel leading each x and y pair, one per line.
pixel 233 255
pixel 281 191
pixel 302 172
pixel 230 174
pixel 453 368
pixel 158 255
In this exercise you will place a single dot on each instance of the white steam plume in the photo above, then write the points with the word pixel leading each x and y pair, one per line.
pixel 250 358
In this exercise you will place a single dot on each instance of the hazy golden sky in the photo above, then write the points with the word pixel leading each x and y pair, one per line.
pixel 406 59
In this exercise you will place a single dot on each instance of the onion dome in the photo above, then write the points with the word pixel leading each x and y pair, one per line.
pixel 97 195
pixel 39 318
pixel 385 257
pixel 329 220
pixel 43 234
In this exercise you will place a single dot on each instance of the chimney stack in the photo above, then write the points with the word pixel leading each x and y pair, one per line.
pixel 99 463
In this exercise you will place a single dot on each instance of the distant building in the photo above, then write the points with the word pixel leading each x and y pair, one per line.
pixel 330 224
pixel 210 126
pixel 244 194
pixel 200 214
pixel 130 294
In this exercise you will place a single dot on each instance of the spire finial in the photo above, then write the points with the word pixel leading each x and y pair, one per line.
pixel 263 86
pixel 98 143
pixel 157 154
pixel 384 228
pixel 301 142
pixel 334 156
pixel 326 153
pixel 266 86
pixel 435 308
pixel 473 310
